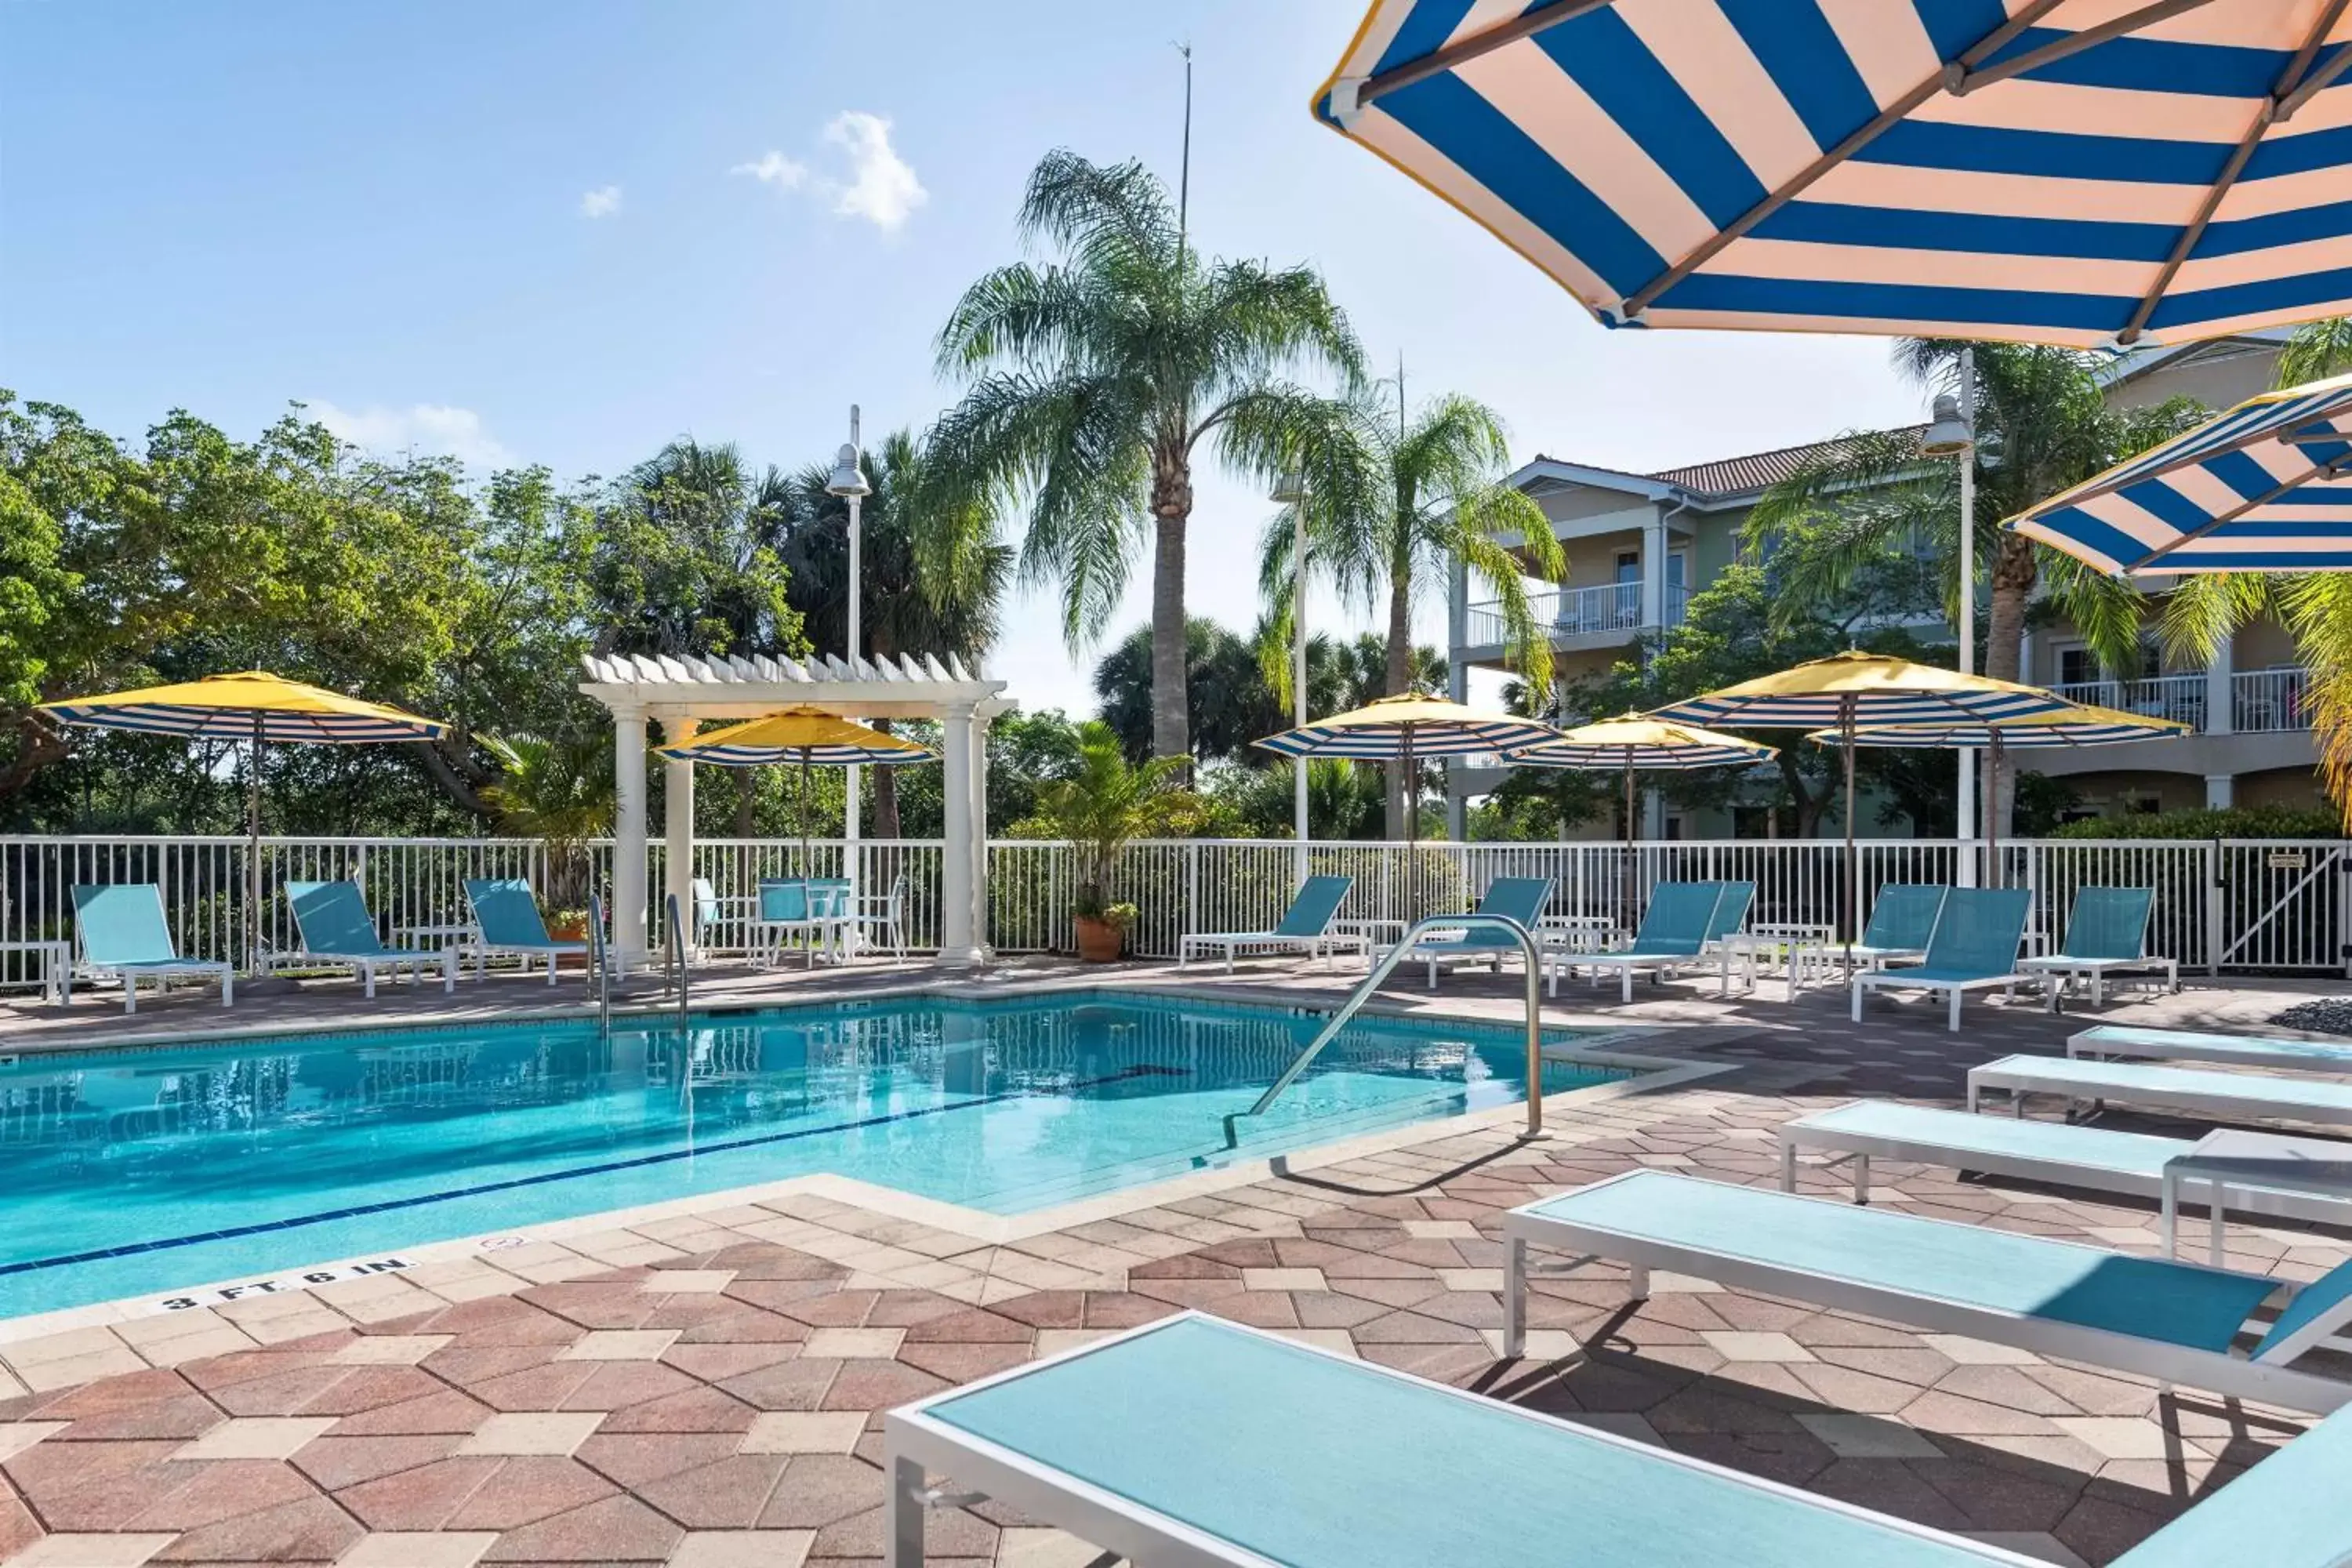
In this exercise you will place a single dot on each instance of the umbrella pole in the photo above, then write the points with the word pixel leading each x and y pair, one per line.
pixel 1412 839
pixel 1992 807
pixel 804 811
pixel 253 853
pixel 1633 882
pixel 1853 866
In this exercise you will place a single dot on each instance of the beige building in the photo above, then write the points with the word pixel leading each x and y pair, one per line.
pixel 1640 544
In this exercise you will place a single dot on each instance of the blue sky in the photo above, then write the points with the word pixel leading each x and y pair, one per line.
pixel 566 233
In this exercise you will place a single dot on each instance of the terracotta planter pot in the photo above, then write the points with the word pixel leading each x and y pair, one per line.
pixel 572 929
pixel 1098 940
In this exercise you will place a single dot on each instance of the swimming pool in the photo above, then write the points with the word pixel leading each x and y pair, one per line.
pixel 134 1172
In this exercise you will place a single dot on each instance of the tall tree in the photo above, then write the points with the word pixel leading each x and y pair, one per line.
pixel 1095 379
pixel 1871 502
pixel 932 573
pixel 1230 705
pixel 1394 497
pixel 685 563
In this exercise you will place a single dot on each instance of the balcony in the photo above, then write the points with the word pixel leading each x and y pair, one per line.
pixel 2262 701
pixel 2269 701
pixel 1577 611
pixel 2178 698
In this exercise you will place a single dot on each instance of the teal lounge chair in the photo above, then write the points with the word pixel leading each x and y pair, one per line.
pixel 336 929
pixel 508 918
pixel 2099 1159
pixel 1902 919
pixel 122 936
pixel 1197 1441
pixel 2214 1096
pixel 1974 947
pixel 2153 1317
pixel 2120 1040
pixel 1305 928
pixel 2107 933
pixel 1673 932
pixel 1520 900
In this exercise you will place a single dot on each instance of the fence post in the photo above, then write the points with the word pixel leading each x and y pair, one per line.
pixel 1192 887
pixel 2214 912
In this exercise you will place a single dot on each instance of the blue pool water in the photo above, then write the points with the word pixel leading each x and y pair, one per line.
pixel 134 1173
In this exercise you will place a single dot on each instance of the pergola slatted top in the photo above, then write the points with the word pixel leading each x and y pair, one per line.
pixel 728 687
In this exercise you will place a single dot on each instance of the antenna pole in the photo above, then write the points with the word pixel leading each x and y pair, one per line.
pixel 1184 166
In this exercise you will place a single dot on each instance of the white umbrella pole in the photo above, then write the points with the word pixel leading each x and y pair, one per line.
pixel 1412 839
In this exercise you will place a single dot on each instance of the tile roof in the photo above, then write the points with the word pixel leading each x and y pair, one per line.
pixel 1757 470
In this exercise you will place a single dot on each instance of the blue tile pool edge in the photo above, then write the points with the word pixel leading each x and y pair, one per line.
pixel 1645 1074
pixel 1084 990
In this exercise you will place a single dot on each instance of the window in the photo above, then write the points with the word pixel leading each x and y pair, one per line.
pixel 2075 665
pixel 2142 805
pixel 1678 569
pixel 1629 566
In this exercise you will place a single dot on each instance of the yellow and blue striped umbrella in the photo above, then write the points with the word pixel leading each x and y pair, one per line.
pixel 251 705
pixel 2084 724
pixel 803 735
pixel 2267 486
pixel 1637 741
pixel 1853 689
pixel 2079 172
pixel 258 708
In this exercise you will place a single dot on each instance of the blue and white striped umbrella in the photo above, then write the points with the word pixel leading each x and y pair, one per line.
pixel 1409 726
pixel 2267 486
pixel 2079 172
pixel 1854 689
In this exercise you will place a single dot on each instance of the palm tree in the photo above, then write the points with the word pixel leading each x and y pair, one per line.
pixel 931 574
pixel 1393 498
pixel 1870 503
pixel 1095 379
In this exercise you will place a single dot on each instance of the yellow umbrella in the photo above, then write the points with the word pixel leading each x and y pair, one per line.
pixel 256 707
pixel 2080 724
pixel 1636 740
pixel 1409 726
pixel 804 736
pixel 1851 689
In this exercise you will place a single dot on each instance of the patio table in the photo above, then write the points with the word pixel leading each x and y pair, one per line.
pixel 1804 948
pixel 463 935
pixel 56 966
pixel 2236 1157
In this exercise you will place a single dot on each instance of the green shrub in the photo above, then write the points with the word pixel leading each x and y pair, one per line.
pixel 2248 822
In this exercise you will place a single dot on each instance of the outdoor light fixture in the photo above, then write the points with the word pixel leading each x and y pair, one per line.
pixel 848 478
pixel 1948 433
pixel 1290 488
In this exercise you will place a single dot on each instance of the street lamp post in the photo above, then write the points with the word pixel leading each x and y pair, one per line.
pixel 1951 433
pixel 1290 490
pixel 848 481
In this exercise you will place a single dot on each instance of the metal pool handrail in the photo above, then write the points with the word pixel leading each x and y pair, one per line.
pixel 676 947
pixel 599 961
pixel 1399 953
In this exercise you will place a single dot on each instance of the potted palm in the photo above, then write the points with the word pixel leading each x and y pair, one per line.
pixel 1100 808
pixel 560 792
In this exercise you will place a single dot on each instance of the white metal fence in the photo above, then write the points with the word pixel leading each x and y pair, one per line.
pixel 2262 905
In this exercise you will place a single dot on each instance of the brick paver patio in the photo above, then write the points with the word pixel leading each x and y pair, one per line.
pixel 703 1390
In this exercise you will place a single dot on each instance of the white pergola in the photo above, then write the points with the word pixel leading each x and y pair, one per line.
pixel 679 693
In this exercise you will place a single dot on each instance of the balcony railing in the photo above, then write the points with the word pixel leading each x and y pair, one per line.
pixel 1579 612
pixel 2269 701
pixel 2180 697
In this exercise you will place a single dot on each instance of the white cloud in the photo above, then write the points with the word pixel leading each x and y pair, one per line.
pixel 774 169
pixel 874 183
pixel 882 187
pixel 428 427
pixel 602 202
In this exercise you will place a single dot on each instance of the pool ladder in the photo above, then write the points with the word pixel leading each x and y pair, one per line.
pixel 1402 952
pixel 599 964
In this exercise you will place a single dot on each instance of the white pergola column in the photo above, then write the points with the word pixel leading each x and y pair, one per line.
pixel 678 829
pixel 979 839
pixel 958 886
pixel 1654 569
pixel 628 912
